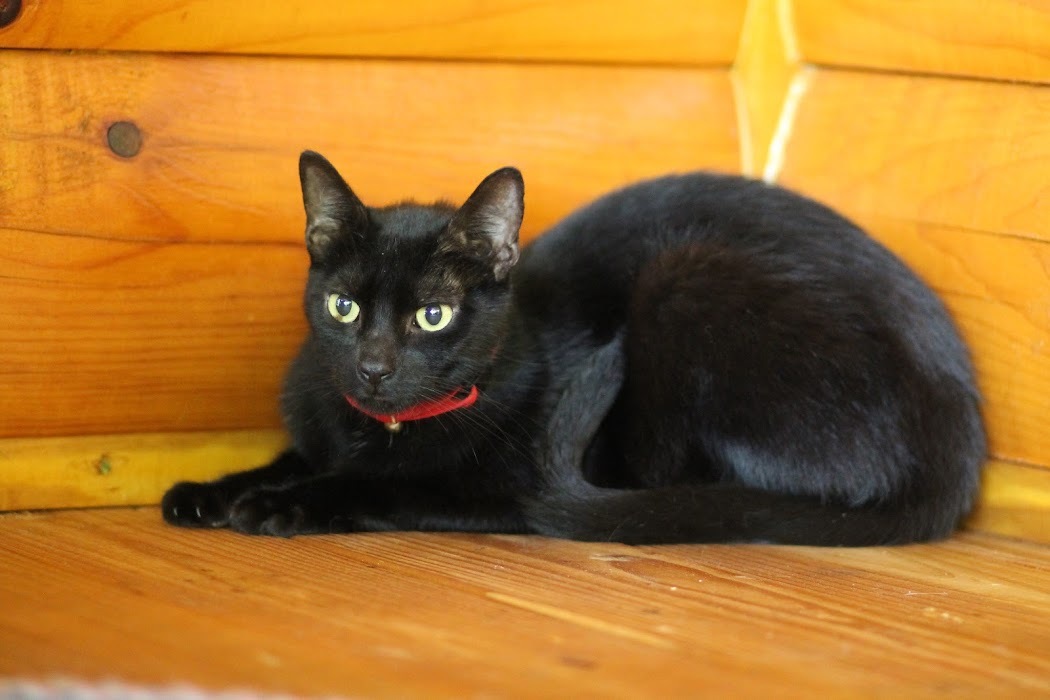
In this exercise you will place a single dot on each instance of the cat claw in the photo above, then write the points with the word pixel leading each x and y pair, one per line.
pixel 190 504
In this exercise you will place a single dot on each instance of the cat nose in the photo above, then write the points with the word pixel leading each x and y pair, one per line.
pixel 374 371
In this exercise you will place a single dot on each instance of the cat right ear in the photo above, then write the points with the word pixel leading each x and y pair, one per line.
pixel 333 211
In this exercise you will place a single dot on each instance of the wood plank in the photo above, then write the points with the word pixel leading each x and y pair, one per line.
pixel 428 615
pixel 1005 39
pixel 952 177
pixel 222 137
pixel 101 336
pixel 1015 501
pixel 958 153
pixel 119 470
pixel 617 31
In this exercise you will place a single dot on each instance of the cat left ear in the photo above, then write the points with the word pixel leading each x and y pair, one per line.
pixel 333 211
pixel 490 218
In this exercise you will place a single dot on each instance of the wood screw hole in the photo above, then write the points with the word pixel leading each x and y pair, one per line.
pixel 124 139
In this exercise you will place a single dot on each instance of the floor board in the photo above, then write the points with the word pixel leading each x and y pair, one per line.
pixel 116 595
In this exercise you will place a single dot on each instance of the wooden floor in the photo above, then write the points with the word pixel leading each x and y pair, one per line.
pixel 116 595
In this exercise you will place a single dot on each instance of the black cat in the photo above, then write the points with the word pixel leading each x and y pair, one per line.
pixel 697 358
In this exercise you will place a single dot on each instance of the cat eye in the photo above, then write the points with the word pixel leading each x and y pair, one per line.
pixel 433 317
pixel 343 308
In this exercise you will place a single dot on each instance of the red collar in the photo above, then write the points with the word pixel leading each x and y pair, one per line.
pixel 427 409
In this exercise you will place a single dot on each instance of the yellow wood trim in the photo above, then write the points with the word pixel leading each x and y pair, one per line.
pixel 1015 501
pixel 788 32
pixel 778 143
pixel 765 69
pixel 745 130
pixel 133 469
pixel 136 469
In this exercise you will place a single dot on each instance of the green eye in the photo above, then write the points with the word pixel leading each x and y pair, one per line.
pixel 434 317
pixel 343 308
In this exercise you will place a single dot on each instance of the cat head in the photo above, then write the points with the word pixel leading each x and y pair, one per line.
pixel 407 303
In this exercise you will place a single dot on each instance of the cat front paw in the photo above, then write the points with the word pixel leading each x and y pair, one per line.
pixel 191 504
pixel 272 512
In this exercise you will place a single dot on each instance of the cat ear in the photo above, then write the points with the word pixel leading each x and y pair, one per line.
pixel 331 206
pixel 490 218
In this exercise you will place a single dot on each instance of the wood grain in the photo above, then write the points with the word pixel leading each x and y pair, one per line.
pixel 1005 39
pixel 952 176
pixel 463 616
pixel 100 336
pixel 222 137
pixel 617 31
pixel 118 470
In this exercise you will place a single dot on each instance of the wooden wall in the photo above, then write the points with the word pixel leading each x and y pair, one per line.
pixel 148 304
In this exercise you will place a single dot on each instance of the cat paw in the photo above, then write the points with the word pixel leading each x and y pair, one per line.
pixel 269 512
pixel 190 504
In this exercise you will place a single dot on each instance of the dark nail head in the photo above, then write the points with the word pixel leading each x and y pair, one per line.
pixel 124 139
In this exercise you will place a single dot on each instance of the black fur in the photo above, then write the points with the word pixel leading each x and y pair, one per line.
pixel 698 358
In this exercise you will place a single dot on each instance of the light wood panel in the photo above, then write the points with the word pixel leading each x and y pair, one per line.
pixel 1006 39
pixel 119 470
pixel 616 31
pixel 952 176
pixel 101 336
pixel 83 593
pixel 222 137
pixel 959 153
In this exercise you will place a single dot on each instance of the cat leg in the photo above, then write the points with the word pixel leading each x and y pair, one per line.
pixel 579 412
pixel 337 503
pixel 194 504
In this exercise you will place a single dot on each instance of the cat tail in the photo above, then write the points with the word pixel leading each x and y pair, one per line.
pixel 573 508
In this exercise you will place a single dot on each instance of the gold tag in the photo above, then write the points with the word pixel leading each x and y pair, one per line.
pixel 393 426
